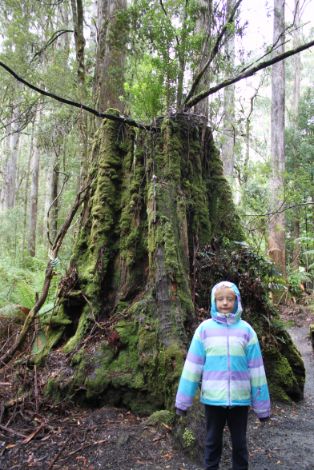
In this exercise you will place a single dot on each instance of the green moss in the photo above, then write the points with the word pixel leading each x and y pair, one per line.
pixel 161 417
pixel 282 380
pixel 52 390
pixel 222 213
pixel 83 323
pixel 188 438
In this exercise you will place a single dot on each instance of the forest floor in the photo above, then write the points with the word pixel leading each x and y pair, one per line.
pixel 111 438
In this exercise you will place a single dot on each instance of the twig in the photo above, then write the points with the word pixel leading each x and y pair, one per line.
pixel 57 455
pixel 96 443
pixel 12 431
pixel 279 211
pixel 33 434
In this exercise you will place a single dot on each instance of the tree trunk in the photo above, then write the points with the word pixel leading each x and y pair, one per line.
pixel 203 26
pixel 158 202
pixel 295 115
pixel 110 55
pixel 78 24
pixel 276 240
pixel 79 40
pixel 33 199
pixel 26 191
pixel 8 193
pixel 229 129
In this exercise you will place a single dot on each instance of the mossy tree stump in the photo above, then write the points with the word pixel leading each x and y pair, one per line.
pixel 156 199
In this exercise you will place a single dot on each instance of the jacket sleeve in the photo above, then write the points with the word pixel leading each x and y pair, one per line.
pixel 192 372
pixel 259 388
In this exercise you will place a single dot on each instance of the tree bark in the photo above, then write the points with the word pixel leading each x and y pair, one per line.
pixel 276 240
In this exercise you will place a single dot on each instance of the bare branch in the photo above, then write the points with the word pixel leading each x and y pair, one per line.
pixel 248 73
pixel 214 51
pixel 93 111
pixel 53 38
pixel 280 210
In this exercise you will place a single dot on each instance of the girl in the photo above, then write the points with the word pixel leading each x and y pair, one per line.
pixel 225 357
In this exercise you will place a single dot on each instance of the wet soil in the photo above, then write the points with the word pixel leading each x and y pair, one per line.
pixel 111 438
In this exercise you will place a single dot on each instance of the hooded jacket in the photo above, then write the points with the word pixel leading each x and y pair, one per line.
pixel 225 359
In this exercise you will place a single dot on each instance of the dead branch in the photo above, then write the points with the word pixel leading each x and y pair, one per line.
pixel 50 41
pixel 248 73
pixel 48 277
pixel 280 210
pixel 93 111
pixel 214 51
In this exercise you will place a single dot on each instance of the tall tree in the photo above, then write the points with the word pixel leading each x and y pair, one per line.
pixel 295 116
pixel 204 28
pixel 8 190
pixel 229 129
pixel 276 240
pixel 110 55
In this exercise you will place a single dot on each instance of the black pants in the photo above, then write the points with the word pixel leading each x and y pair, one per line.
pixel 236 419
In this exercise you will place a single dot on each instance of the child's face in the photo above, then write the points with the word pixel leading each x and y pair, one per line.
pixel 225 300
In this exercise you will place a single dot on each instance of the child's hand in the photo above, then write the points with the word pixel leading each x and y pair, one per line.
pixel 180 412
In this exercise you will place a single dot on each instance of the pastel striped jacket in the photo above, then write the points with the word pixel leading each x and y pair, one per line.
pixel 225 360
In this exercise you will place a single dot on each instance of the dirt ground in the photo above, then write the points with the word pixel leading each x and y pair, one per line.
pixel 110 438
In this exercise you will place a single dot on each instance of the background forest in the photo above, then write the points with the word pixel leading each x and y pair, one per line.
pixel 141 58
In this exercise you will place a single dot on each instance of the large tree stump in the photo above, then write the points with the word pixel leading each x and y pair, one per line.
pixel 156 200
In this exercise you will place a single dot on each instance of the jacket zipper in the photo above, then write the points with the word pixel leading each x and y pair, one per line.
pixel 229 366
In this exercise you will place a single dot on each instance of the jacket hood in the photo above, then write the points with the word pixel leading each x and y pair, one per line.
pixel 231 317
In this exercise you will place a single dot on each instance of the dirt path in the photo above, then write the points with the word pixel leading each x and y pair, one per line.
pixel 287 441
pixel 109 438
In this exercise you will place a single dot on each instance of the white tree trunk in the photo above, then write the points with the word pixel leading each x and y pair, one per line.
pixel 9 185
pixel 276 241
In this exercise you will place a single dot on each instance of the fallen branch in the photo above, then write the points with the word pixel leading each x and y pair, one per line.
pixel 48 276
